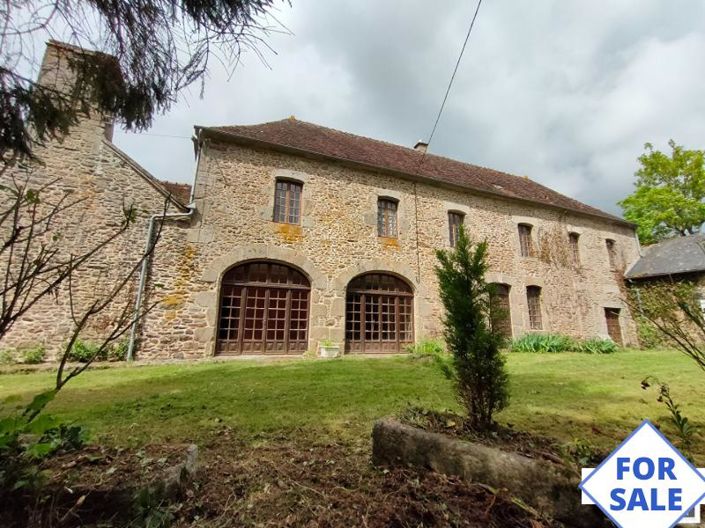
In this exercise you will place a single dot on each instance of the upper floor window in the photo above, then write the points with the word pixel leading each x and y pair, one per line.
pixel 287 202
pixel 387 217
pixel 525 245
pixel 533 299
pixel 574 240
pixel 455 220
pixel 612 252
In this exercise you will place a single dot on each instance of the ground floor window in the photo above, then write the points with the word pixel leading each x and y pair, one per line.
pixel 614 330
pixel 263 310
pixel 533 299
pixel 379 314
pixel 500 315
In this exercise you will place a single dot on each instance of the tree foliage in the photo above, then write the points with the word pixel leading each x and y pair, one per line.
pixel 479 371
pixel 37 264
pixel 674 309
pixel 145 54
pixel 668 199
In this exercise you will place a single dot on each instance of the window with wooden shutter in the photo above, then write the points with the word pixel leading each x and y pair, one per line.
pixel 455 220
pixel 500 314
pixel 287 202
pixel 525 245
pixel 611 252
pixel 387 218
pixel 614 329
pixel 574 240
pixel 533 298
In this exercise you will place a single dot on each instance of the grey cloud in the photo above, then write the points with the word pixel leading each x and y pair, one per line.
pixel 565 92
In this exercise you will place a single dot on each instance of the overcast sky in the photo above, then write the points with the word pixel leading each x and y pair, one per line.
pixel 563 91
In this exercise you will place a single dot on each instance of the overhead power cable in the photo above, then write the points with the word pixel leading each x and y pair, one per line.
pixel 455 70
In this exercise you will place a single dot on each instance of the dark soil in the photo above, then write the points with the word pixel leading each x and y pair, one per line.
pixel 270 483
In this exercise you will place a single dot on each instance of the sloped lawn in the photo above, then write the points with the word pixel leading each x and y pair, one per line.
pixel 568 396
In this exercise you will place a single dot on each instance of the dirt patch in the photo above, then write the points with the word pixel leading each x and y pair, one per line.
pixel 285 483
pixel 272 482
pixel 90 487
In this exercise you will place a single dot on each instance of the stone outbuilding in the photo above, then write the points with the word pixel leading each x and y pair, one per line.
pixel 296 235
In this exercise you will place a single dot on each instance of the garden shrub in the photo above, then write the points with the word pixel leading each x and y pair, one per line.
pixel 427 347
pixel 433 351
pixel 83 352
pixel 553 343
pixel 476 364
pixel 649 336
pixel 6 357
pixel 597 345
pixel 34 355
pixel 118 351
pixel 543 343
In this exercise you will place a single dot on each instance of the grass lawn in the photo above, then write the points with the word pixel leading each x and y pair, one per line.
pixel 568 396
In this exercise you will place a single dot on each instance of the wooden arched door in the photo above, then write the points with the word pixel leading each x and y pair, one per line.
pixel 264 309
pixel 379 314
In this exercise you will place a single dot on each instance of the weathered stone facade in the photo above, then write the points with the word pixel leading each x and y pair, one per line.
pixel 87 170
pixel 335 241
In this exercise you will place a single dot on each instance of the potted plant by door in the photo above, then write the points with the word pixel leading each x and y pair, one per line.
pixel 328 349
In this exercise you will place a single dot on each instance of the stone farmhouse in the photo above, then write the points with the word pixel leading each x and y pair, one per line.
pixel 294 235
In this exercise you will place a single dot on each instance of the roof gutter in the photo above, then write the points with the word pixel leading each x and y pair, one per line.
pixel 251 142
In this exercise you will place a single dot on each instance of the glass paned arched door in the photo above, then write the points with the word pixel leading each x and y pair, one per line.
pixel 379 314
pixel 263 310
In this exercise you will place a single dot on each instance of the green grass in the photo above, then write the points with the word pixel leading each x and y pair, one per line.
pixel 569 396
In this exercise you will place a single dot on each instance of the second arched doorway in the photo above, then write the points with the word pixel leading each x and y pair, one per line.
pixel 379 314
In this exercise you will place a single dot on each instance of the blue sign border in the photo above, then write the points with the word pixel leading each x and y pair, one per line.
pixel 613 453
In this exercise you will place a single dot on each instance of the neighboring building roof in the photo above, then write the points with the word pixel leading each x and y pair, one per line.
pixel 300 137
pixel 180 191
pixel 674 256
pixel 165 188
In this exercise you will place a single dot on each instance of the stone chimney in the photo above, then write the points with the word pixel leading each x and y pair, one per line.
pixel 56 73
pixel 421 146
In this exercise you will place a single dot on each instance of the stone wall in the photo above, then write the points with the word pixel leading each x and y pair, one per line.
pixel 86 170
pixel 337 240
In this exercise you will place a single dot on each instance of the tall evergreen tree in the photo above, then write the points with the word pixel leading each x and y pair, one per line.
pixel 139 56
pixel 479 372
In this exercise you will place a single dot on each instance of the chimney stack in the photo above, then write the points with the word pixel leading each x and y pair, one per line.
pixel 421 146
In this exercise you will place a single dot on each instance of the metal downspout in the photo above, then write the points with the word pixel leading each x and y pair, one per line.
pixel 143 275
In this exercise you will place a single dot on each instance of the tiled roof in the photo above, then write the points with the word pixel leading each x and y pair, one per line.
pixel 180 191
pixel 306 137
pixel 674 256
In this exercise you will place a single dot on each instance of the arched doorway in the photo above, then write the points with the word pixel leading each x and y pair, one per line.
pixel 263 310
pixel 379 314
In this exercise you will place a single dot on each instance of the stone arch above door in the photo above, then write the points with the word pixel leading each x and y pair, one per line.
pixel 341 281
pixel 217 268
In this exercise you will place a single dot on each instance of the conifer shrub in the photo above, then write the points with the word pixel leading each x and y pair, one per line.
pixel 477 367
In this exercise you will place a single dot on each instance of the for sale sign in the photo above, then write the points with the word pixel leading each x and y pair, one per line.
pixel 645 482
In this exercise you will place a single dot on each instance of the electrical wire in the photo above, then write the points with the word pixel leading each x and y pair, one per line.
pixel 455 71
